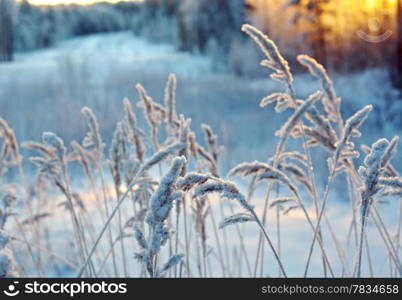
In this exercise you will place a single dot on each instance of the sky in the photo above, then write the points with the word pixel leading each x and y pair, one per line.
pixel 83 2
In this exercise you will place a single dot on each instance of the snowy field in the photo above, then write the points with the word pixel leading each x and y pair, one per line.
pixel 45 90
pixel 100 70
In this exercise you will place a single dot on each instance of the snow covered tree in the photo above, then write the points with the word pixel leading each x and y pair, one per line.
pixel 7 16
pixel 201 21
pixel 159 20
pixel 312 13
pixel 397 73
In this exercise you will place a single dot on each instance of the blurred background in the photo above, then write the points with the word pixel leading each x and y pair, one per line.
pixel 57 56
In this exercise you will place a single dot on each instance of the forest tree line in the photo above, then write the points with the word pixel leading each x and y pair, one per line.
pixel 320 28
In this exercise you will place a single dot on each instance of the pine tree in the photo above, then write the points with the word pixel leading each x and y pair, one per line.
pixel 312 12
pixel 397 76
pixel 7 16
pixel 202 21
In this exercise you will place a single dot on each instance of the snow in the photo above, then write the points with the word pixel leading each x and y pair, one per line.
pixel 100 70
pixel 45 90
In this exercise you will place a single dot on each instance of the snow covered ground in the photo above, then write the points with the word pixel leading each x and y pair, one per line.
pixel 45 90
pixel 100 70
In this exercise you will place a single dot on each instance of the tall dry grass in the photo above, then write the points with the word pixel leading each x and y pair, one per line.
pixel 156 205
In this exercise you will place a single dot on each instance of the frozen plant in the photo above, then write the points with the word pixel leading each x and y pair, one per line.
pixel 161 205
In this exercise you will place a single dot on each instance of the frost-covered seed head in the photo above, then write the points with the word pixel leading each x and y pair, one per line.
pixel 170 98
pixel 247 169
pixel 237 218
pixel 274 60
pixel 93 137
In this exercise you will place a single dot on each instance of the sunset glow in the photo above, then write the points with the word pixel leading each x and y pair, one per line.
pixel 373 4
